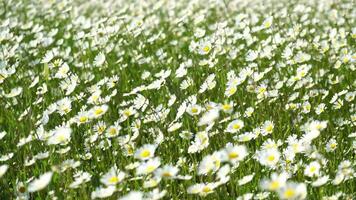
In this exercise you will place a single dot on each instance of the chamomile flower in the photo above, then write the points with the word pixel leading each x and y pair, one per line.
pixel 320 181
pixel 98 111
pixel 126 113
pixel 320 108
pixel 103 192
pixel 235 153
pixel 167 171
pixel 60 135
pixel 145 152
pixel 267 128
pixel 133 195
pixel 64 106
pixel 245 137
pixel 235 126
pixel 269 157
pixel 99 60
pixel 331 145
pixel 100 127
pixel 193 109
pixel 227 107
pixel 249 111
pixel 148 166
pixel 113 130
pixel 210 163
pixel 82 117
pixel 204 47
pixel 209 117
pixel 202 189
pixel 3 169
pixel 276 182
pixel 113 177
pixel 293 191
pixel 231 90
pixel 312 169
pixel 267 23
pixel 40 183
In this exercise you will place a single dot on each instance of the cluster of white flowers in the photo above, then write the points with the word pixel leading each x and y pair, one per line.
pixel 169 99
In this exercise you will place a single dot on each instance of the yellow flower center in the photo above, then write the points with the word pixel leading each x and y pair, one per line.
pixel 101 129
pixel 206 189
pixel 289 193
pixel 319 126
pixel 83 119
pixel 262 90
pixel 274 185
pixel 226 107
pixel 112 131
pixel 271 158
pixel 269 128
pixel 346 59
pixel 99 111
pixel 206 49
pixel 312 169
pixel 150 169
pixel 236 126
pixel 127 113
pixel 114 179
pixel 233 155
pixel 61 138
pixel 145 153
pixel 166 174
pixel 232 91
pixel 66 110
pixel 268 24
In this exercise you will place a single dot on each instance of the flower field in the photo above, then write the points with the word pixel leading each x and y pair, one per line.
pixel 177 99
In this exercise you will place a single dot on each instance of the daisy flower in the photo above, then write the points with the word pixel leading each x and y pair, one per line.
pixel 113 177
pixel 235 126
pixel 145 152
pixel 40 183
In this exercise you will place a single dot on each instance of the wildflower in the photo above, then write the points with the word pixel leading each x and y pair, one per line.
pixel 167 171
pixel 293 191
pixel 60 135
pixel 112 177
pixel 3 169
pixel 267 23
pixel 64 106
pixel 267 128
pixel 227 107
pixel 113 131
pixel 204 48
pixel 209 117
pixel 235 153
pixel 235 126
pixel 145 152
pixel 331 145
pixel 103 192
pixel 133 195
pixel 99 59
pixel 269 157
pixel 40 183
pixel 312 169
pixel 202 189
pixel 98 111
pixel 210 163
pixel 276 182
pixel 194 110
pixel 149 166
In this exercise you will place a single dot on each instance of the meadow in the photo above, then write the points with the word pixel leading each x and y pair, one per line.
pixel 168 99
